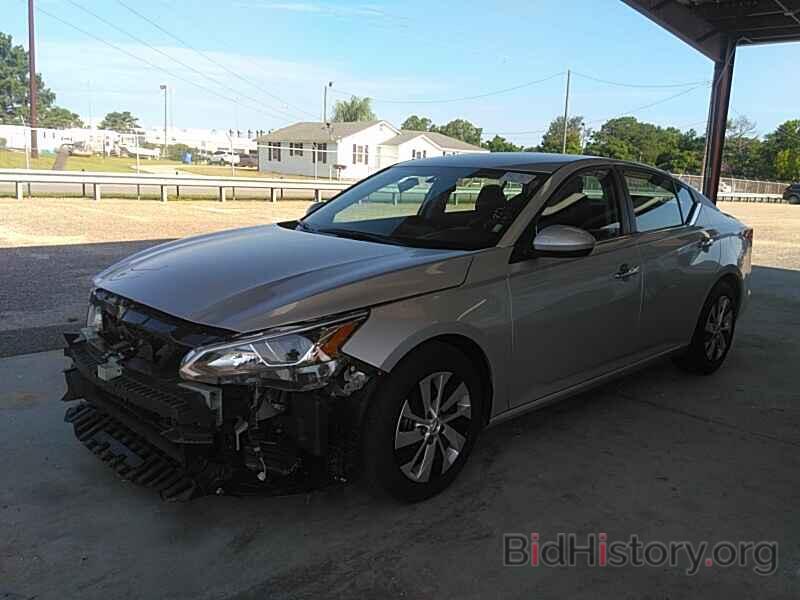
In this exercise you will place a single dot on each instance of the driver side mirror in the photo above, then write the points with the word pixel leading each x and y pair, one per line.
pixel 563 241
pixel 314 207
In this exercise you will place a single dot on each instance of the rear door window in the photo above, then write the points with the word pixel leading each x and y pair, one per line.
pixel 655 204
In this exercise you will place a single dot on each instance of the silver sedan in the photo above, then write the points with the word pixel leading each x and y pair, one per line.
pixel 381 333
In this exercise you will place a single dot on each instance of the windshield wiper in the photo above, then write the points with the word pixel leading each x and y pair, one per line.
pixel 359 235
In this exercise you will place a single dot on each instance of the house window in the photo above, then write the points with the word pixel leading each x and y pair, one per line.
pixel 275 151
pixel 360 154
pixel 424 154
pixel 295 149
pixel 319 153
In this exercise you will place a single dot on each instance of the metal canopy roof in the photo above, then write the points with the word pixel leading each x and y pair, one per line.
pixel 709 25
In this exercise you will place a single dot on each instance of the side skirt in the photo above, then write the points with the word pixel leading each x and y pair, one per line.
pixel 581 387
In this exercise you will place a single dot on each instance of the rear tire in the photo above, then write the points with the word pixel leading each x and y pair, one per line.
pixel 423 423
pixel 794 199
pixel 713 334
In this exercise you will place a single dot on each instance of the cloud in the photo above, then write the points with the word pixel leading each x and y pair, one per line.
pixel 368 11
pixel 84 73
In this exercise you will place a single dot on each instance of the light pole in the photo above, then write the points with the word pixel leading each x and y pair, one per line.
pixel 325 103
pixel 163 86
pixel 33 92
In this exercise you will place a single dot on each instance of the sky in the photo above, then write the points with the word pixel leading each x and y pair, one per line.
pixel 261 64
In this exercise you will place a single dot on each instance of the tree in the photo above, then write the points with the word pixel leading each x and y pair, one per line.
pixel 501 144
pixel 121 122
pixel 741 155
pixel 461 129
pixel 60 118
pixel 681 152
pixel 14 88
pixel 415 123
pixel 553 139
pixel 355 109
pixel 781 151
pixel 628 139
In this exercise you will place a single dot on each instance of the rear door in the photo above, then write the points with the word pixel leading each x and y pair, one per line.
pixel 575 318
pixel 678 258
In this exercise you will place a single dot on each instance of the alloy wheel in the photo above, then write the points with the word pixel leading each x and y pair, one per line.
pixel 433 426
pixel 718 328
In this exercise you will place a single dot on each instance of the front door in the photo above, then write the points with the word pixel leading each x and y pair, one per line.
pixel 576 318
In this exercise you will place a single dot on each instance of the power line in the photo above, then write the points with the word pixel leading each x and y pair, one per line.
pixel 166 55
pixel 641 85
pixel 208 58
pixel 147 62
pixel 448 100
pixel 626 113
pixel 650 105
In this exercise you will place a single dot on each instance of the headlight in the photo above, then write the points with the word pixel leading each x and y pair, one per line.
pixel 296 358
pixel 94 317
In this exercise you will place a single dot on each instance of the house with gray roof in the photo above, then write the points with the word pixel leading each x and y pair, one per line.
pixel 349 150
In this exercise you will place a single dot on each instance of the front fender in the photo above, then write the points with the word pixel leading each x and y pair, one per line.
pixel 477 313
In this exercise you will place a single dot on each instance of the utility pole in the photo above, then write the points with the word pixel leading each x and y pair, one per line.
pixel 325 102
pixel 163 87
pixel 566 114
pixel 32 78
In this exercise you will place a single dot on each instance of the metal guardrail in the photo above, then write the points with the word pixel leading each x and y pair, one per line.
pixel 23 177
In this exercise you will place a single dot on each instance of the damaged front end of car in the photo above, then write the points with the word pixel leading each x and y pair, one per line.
pixel 192 410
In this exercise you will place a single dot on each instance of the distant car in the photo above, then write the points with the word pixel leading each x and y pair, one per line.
pixel 80 149
pixel 221 157
pixel 248 160
pixel 385 329
pixel 792 193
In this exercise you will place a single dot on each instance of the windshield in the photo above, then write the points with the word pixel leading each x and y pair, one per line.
pixel 433 207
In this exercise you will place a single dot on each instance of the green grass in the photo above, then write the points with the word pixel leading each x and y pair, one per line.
pixel 112 164
pixel 225 171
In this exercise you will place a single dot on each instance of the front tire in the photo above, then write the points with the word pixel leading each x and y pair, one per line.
pixel 423 423
pixel 794 199
pixel 713 335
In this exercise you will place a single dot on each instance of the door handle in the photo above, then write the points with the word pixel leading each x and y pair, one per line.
pixel 705 243
pixel 625 271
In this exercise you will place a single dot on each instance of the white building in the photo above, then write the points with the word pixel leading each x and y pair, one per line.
pixel 104 140
pixel 50 140
pixel 349 150
pixel 208 140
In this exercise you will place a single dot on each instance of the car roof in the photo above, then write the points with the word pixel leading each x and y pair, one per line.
pixel 539 162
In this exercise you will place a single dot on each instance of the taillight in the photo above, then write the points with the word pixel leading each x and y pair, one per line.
pixel 748 234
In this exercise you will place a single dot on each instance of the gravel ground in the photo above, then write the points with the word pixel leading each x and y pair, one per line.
pixel 60 222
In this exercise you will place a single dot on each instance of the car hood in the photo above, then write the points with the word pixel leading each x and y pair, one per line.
pixel 260 277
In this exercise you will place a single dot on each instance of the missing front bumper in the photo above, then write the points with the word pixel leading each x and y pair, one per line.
pixel 167 437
